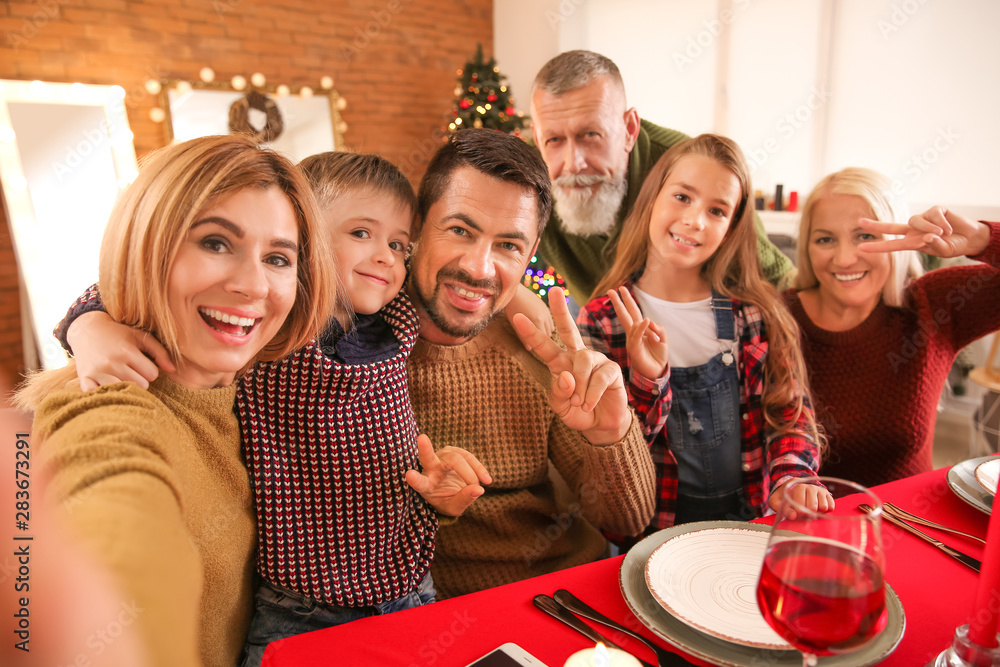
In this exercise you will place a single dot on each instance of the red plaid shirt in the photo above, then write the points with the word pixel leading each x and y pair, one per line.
pixel 768 458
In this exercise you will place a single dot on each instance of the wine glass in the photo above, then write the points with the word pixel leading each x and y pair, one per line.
pixel 821 585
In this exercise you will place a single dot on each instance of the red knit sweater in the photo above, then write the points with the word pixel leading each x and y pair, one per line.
pixel 876 387
pixel 327 446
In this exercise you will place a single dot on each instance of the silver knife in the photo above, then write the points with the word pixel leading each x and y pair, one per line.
pixel 965 559
pixel 552 608
pixel 574 604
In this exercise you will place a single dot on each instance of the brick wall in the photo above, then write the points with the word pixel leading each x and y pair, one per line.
pixel 394 61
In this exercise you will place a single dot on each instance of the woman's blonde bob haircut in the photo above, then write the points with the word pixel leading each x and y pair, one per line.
pixel 876 191
pixel 151 220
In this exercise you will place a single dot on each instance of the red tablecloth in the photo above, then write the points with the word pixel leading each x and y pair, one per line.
pixel 936 591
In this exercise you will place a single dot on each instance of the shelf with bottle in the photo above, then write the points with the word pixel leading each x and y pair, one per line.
pixel 778 212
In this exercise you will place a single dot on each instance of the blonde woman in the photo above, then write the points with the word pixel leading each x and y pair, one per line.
pixel 216 250
pixel 879 339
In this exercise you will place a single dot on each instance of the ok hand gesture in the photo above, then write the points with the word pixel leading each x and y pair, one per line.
pixel 937 231
pixel 645 340
pixel 588 392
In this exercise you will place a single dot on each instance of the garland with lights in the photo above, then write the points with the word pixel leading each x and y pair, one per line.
pixel 239 117
pixel 258 98
pixel 540 278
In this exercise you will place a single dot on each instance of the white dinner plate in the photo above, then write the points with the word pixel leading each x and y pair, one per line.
pixel 963 483
pixel 987 473
pixel 632 580
pixel 708 579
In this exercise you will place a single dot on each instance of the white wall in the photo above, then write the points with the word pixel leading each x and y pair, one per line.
pixel 525 37
pixel 908 87
pixel 921 94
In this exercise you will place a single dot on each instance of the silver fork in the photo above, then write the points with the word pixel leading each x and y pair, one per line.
pixel 903 514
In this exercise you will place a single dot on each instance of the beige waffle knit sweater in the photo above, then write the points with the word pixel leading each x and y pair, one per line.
pixel 491 397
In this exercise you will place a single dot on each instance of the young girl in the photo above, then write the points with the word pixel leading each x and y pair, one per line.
pixel 732 380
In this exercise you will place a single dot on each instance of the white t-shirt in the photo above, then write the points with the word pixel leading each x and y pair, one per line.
pixel 690 328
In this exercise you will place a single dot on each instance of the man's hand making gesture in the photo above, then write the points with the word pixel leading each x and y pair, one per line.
pixel 588 392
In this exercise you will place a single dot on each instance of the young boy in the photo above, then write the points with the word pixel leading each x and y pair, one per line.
pixel 329 434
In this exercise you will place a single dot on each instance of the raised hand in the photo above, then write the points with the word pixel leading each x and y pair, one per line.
pixel 937 231
pixel 107 351
pixel 645 340
pixel 451 478
pixel 588 392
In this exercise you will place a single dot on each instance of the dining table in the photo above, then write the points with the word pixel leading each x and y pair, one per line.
pixel 937 594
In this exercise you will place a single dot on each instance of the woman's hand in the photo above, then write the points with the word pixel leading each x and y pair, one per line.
pixel 645 340
pixel 811 496
pixel 451 478
pixel 937 231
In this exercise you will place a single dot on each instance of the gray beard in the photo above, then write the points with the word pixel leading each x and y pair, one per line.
pixel 587 214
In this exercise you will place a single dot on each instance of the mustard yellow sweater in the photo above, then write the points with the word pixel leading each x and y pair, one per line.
pixel 153 482
pixel 491 397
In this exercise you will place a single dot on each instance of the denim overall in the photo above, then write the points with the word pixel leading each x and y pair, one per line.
pixel 703 431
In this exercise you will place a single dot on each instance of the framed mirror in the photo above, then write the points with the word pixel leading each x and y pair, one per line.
pixel 65 153
pixel 296 125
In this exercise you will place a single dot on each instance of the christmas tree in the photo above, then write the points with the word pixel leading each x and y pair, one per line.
pixel 483 99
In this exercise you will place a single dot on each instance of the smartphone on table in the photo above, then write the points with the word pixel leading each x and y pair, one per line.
pixel 508 655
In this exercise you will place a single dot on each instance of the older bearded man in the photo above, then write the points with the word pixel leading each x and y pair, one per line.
pixel 598 153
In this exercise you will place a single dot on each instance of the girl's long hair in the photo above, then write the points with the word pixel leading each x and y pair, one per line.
pixel 733 270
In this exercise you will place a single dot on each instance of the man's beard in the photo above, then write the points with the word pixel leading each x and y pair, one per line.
pixel 430 303
pixel 586 212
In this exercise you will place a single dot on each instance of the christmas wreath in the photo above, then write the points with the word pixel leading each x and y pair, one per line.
pixel 239 117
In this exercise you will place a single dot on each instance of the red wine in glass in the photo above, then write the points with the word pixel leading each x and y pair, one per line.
pixel 820 596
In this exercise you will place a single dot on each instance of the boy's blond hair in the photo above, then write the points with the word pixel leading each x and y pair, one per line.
pixel 333 173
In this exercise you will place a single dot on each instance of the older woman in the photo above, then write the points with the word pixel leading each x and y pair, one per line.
pixel 215 248
pixel 878 338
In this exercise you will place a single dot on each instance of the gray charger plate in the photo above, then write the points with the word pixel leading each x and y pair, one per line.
pixel 963 482
pixel 632 579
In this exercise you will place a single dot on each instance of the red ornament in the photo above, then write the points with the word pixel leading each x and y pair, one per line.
pixel 475 77
pixel 491 98
pixel 510 111
pixel 465 104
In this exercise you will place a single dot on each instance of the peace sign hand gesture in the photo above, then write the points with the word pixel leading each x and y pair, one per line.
pixel 937 231
pixel 645 340
pixel 588 392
